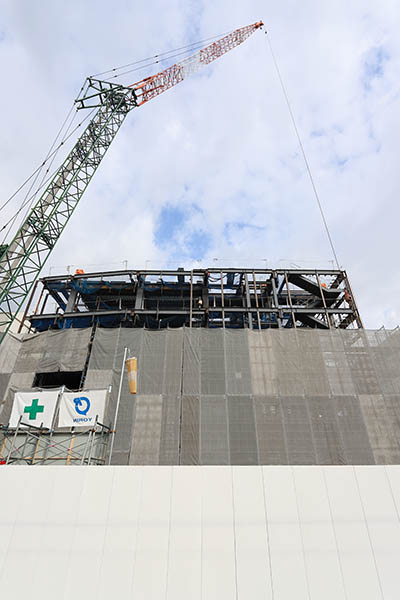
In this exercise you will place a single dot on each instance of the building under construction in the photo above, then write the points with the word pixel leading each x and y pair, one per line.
pixel 234 367
pixel 251 450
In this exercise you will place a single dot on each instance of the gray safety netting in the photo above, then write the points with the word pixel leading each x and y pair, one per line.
pixel 215 396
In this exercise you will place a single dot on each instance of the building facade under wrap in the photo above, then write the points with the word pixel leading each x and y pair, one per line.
pixel 251 463
pixel 222 397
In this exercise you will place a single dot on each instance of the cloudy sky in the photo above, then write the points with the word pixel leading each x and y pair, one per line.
pixel 210 173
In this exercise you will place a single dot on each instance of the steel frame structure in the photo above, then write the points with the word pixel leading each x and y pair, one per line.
pixel 232 298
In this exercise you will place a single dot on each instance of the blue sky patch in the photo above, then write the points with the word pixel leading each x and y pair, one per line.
pixel 197 244
pixel 170 233
pixel 374 66
pixel 170 221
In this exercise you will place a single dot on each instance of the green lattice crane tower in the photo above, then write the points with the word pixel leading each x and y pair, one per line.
pixel 22 260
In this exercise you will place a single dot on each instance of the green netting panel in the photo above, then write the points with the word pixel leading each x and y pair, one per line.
pixel 263 363
pixel 212 362
pixel 146 434
pixel 288 359
pixel 214 441
pixel 392 403
pixel 380 422
pixel 271 442
pixel 151 363
pixel 237 365
pixel 328 442
pixel 98 380
pixel 9 350
pixel 353 431
pixel 191 361
pixel 49 351
pixel 30 353
pixel 64 350
pixel 312 365
pixel 297 427
pixel 103 350
pixel 360 361
pixel 242 431
pixel 170 430
pixel 190 431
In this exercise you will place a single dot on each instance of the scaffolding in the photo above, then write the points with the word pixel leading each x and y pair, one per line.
pixel 30 445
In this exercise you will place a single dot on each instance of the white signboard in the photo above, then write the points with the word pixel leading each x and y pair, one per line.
pixel 79 409
pixel 34 408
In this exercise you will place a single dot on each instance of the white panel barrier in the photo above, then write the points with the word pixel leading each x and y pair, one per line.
pixel 200 532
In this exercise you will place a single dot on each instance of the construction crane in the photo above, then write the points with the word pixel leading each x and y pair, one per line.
pixel 23 258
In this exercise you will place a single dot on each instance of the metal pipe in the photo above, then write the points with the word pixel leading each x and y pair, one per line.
pixel 222 299
pixel 290 300
pixel 191 298
pixel 275 296
pixel 256 299
pixel 85 448
pixel 321 291
pixel 354 303
pixel 248 302
pixel 92 441
pixel 117 407
pixel 13 440
pixel 28 305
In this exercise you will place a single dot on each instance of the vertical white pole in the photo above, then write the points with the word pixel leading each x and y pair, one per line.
pixel 117 407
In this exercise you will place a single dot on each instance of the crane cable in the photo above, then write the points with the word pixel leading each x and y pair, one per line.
pixel 304 154
pixel 37 171
pixel 154 62
pixel 188 48
pixel 30 199
pixel 48 156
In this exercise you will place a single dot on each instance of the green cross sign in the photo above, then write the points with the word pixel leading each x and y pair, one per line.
pixel 34 409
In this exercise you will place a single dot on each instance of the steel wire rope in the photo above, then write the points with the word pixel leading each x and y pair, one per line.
pixel 149 58
pixel 304 154
pixel 32 198
pixel 46 159
pixel 152 63
pixel 145 66
pixel 53 173
pixel 58 148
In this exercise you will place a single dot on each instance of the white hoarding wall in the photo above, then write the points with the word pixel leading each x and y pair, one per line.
pixel 215 533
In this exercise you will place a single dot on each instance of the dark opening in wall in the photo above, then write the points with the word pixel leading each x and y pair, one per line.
pixel 71 379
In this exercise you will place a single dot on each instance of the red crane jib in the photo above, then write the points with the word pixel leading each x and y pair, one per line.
pixel 148 88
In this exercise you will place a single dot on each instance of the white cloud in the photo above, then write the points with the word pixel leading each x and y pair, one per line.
pixel 223 140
